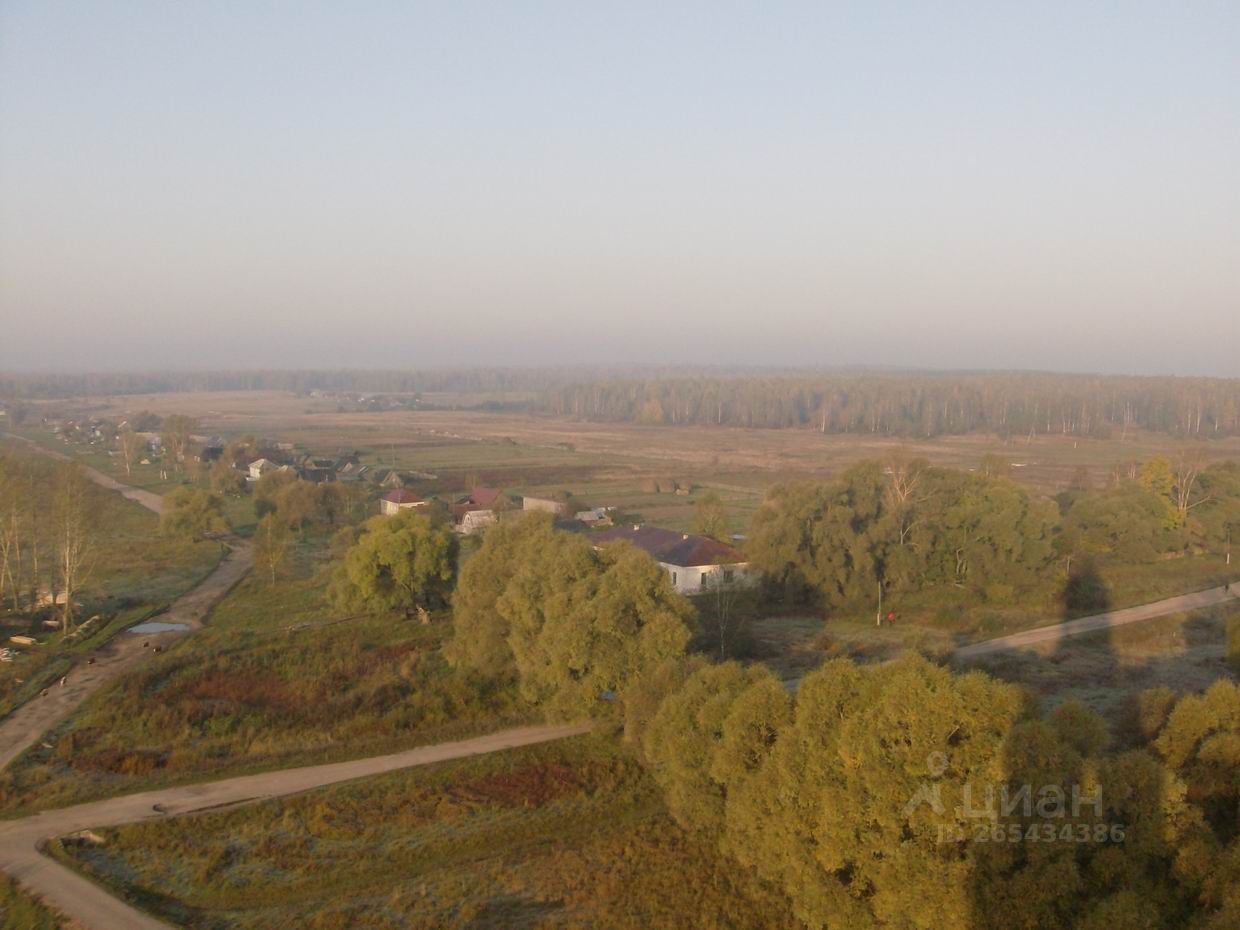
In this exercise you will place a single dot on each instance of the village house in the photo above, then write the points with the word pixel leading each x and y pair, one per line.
pixel 594 517
pixel 694 563
pixel 260 467
pixel 393 502
pixel 477 499
pixel 352 471
pixel 317 470
pixel 476 510
pixel 475 521
pixel 545 505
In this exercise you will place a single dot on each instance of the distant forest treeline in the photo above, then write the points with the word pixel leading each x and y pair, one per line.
pixel 464 380
pixel 886 403
pixel 910 404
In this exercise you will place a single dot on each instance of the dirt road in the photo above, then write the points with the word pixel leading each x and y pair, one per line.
pixel 28 723
pixel 1104 621
pixel 95 909
pixel 148 499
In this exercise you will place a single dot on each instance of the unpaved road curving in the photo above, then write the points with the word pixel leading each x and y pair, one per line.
pixel 95 909
pixel 1104 621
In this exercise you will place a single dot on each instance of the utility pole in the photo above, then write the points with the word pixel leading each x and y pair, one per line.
pixel 878 617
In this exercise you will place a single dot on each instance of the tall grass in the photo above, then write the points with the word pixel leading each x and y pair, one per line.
pixel 20 911
pixel 275 679
pixel 561 835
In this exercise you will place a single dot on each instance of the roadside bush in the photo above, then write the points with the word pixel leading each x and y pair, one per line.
pixel 191 513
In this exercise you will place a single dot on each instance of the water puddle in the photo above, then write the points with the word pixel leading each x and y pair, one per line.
pixel 154 626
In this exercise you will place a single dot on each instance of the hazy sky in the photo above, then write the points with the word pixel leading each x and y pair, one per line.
pixel 988 184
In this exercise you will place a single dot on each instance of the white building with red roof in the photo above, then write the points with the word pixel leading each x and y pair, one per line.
pixel 393 502
pixel 695 564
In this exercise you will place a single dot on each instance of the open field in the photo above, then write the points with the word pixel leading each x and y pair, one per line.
pixel 609 463
pixel 238 510
pixel 569 834
pixel 276 678
pixel 935 623
pixel 314 422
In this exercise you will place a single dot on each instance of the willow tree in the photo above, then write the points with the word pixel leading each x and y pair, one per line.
pixel 401 562
pixel 480 632
pixel 585 625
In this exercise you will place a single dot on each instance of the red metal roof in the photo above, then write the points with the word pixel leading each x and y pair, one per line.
pixel 401 496
pixel 484 497
pixel 672 547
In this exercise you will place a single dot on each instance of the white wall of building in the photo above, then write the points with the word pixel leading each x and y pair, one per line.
pixel 696 579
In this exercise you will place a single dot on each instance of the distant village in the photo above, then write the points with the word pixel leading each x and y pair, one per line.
pixel 694 563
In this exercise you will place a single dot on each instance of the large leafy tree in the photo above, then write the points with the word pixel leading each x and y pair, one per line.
pixel 994 533
pixel 586 624
pixel 710 517
pixel 811 537
pixel 1127 522
pixel 711 734
pixel 480 632
pixel 192 513
pixel 849 810
pixel 177 433
pixel 397 563
pixel 905 526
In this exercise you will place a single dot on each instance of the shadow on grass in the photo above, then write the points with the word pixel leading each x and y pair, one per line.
pixel 1108 669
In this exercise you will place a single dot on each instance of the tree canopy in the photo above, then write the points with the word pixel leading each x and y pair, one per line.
pixel 192 513
pixel 396 563
pixel 480 632
pixel 905 526
pixel 906 796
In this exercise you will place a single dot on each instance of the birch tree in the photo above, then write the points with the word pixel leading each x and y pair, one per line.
pixel 74 519
pixel 131 447
pixel 271 544
pixel 177 432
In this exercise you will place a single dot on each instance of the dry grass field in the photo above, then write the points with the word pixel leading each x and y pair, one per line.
pixel 555 837
pixel 613 464
pixel 618 464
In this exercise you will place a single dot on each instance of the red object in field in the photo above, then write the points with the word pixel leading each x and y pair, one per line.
pixel 891 617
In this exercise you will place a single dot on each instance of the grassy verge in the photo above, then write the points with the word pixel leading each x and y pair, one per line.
pixel 1185 652
pixel 938 622
pixel 275 679
pixel 21 911
pixel 570 834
